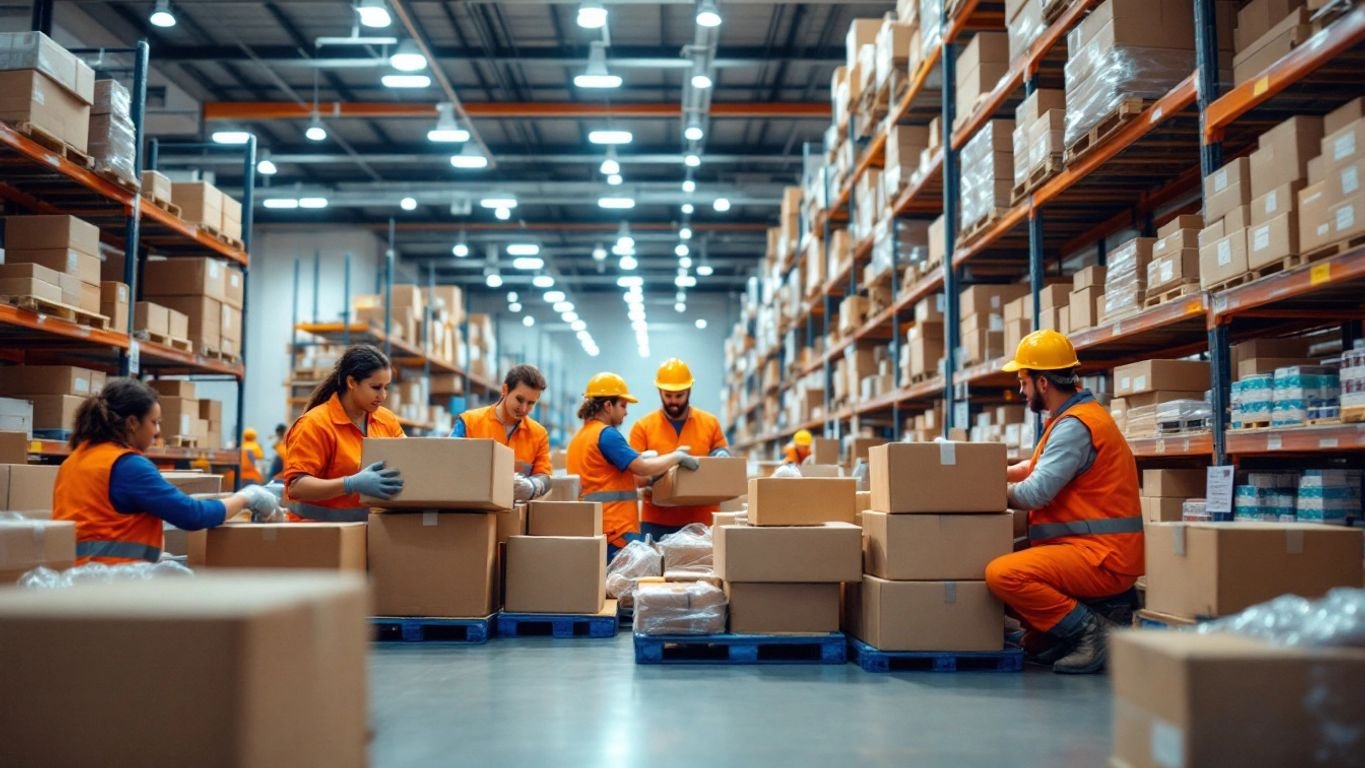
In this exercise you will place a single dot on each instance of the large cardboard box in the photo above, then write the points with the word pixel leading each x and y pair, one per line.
pixel 41 233
pixel 433 564
pixel 114 305
pixel 934 547
pixel 564 488
pixel 439 473
pixel 556 574
pixel 1187 699
pixel 801 500
pixel 29 486
pixel 825 450
pixel 234 287
pixel 782 608
pixel 1227 188
pixel 18 380
pixel 156 186
pixel 28 544
pixel 1284 152
pixel 321 546
pixel 205 318
pixel 107 666
pixel 55 412
pixel 717 479
pixel 152 318
pixel 938 477
pixel 1174 483
pixel 1157 509
pixel 185 277
pixel 29 96
pixel 1172 268
pixel 1215 569
pixel 1160 375
pixel 511 522
pixel 67 261
pixel 925 615
pixel 564 518
pixel 1223 259
pixel 822 553
pixel 1085 306
pixel 200 202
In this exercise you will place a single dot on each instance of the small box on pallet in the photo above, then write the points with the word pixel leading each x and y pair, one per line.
pixel 925 615
pixel 556 574
pixel 433 564
pixel 774 608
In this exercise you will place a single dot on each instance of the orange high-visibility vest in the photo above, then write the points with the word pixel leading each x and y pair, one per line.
pixel 530 442
pixel 324 444
pixel 794 453
pixel 600 481
pixel 1099 509
pixel 701 433
pixel 103 534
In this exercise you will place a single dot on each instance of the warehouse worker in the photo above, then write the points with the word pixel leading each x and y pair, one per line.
pixel 662 431
pixel 251 454
pixel 115 495
pixel 509 422
pixel 322 471
pixel 277 463
pixel 798 450
pixel 1080 490
pixel 606 465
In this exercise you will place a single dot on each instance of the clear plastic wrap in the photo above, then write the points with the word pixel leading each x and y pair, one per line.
pixel 637 560
pixel 1253 399
pixel 1025 27
pixel 1100 78
pixel 1328 495
pixel 1183 416
pixel 987 171
pixel 930 19
pixel 113 145
pixel 680 608
pixel 112 98
pixel 910 241
pixel 1300 389
pixel 1336 620
pixel 99 573
pixel 1195 511
pixel 1125 282
pixel 688 550
pixel 1353 376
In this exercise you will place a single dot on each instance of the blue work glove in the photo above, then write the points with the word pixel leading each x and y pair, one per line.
pixel 375 481
pixel 264 506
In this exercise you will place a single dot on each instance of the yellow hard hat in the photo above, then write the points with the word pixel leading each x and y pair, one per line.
pixel 607 384
pixel 249 433
pixel 673 376
pixel 1045 350
pixel 802 437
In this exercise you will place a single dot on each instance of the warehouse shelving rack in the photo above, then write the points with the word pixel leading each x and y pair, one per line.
pixel 1146 172
pixel 37 179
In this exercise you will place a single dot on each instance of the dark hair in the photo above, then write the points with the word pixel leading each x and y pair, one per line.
pixel 591 406
pixel 524 374
pixel 1065 381
pixel 359 362
pixel 280 429
pixel 103 418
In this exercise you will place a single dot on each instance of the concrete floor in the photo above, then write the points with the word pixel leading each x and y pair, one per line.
pixel 543 702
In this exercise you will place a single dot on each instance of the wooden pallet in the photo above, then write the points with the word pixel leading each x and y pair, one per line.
pixel 921 377
pixel 165 205
pixel 1332 249
pixel 1127 108
pixel 559 625
pixel 1054 9
pixel 1232 282
pixel 1171 294
pixel 1352 414
pixel 182 441
pixel 53 142
pixel 218 354
pixel 113 178
pixel 1323 422
pixel 973 231
pixel 741 649
pixel 1149 619
pixel 42 306
pixel 1246 425
pixel 184 345
pixel 1036 177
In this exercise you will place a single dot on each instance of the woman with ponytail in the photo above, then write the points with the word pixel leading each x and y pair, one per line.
pixel 322 471
pixel 116 496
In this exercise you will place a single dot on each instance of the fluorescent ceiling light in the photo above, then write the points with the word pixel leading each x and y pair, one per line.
pixel 685 233
pixel 579 325
pixel 680 307
pixel 596 75
pixel 701 81
pixel 313 203
pixel 373 14
pixel 405 81
pixel 161 15
pixel 470 158
pixel 708 15
pixel 408 203
pixel 628 263
pixel 498 202
pixel 615 180
pixel 599 254
pixel 528 321
pixel 266 167
pixel 693 132
pixel 630 281
pixel 522 249
pixel 553 296
pixel 281 203
pixel 684 281
pixel 231 137
pixel 610 136
pixel 460 250
pixel 721 205
pixel 682 250
pixel 447 131
pixel 570 317
pixel 685 262
pixel 705 270
pixel 502 214
pixel 592 15
pixel 514 306
pixel 688 208
pixel 689 186
pixel 493 280
pixel 692 160
pixel 512 296
pixel 563 306
pixel 528 263
pixel 408 57
pixel 616 203
pixel 701 323
pixel 611 164
pixel 542 281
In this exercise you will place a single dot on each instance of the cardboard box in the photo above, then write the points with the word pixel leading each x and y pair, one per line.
pixel 200 202
pixel 824 450
pixel 1085 307
pixel 14 444
pixel 563 488
pixel 28 96
pixel 1173 268
pixel 986 300
pixel 65 260
pixel 152 318
pixel 439 473
pixel 925 615
pixel 433 564
pixel 1162 510
pixel 1270 243
pixel 324 546
pixel 937 478
pixel 30 487
pixel 1227 188
pixel 24 380
pixel 1087 277
pixel 28 544
pixel 1159 375
pixel 1223 259
pixel 46 233
pixel 1188 699
pixel 278 643
pixel 1215 569
pixel 194 482
pixel 204 319
pixel 511 522
pixel 156 186
pixel 717 479
pixel 564 518
pixel 35 280
pixel 234 287
pixel 1288 34
pixel 822 553
pixel 1174 483
pixel 56 412
pixel 185 277
pixel 934 547
pixel 801 500
pixel 1279 200
pixel 556 574
pixel 114 305
pixel 175 388
pixel 1330 210
pixel 1284 152
pixel 783 608
pixel 191 545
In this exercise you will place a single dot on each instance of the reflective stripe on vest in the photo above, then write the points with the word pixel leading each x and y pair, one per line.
pixel 128 550
pixel 1096 527
pixel 606 496
pixel 331 514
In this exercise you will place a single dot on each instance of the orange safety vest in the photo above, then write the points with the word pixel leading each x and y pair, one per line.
pixel 795 454
pixel 103 534
pixel 323 443
pixel 1098 510
pixel 701 433
pixel 251 453
pixel 529 441
pixel 601 481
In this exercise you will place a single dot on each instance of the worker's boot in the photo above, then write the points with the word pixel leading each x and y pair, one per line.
pixel 1090 650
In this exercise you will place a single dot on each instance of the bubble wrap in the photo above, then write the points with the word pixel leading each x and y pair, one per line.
pixel 636 560
pixel 1335 620
pixel 688 550
pixel 680 608
pixel 99 573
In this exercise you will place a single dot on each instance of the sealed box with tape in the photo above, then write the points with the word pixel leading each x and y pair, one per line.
pixel 937 477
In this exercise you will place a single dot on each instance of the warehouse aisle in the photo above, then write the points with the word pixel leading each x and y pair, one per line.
pixel 535 702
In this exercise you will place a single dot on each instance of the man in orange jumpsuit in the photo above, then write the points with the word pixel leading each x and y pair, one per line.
pixel 796 451
pixel 676 424
pixel 1080 489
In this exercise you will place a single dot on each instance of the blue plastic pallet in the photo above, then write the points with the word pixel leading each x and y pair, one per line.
pixel 741 649
pixel 432 630
pixel 1145 619
pixel 874 660
pixel 556 625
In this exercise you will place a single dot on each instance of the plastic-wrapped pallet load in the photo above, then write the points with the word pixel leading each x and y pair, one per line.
pixel 1328 495
pixel 679 608
pixel 1182 416
pixel 1125 283
pixel 1353 378
pixel 987 172
pixel 1253 400
pixel 1305 392
pixel 930 19
pixel 636 561
pixel 688 550
pixel 113 138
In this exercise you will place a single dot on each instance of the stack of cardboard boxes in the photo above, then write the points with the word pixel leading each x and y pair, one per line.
pixel 1024 23
pixel 559 566
pixel 904 146
pixel 937 518
pixel 209 293
pixel 1332 204
pixel 54 259
pixel 782 571
pixel 982 64
pixel 203 204
pixel 187 418
pixel 1164 492
pixel 45 87
pixel 27 488
pixel 981 310
pixel 922 355
pixel 987 174
pixel 56 392
pixel 113 137
pixel 1039 123
pixel 1054 314
pixel 1125 282
pixel 1140 389
pixel 1174 266
pixel 1087 298
pixel 1266 31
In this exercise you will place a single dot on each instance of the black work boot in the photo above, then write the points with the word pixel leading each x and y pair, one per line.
pixel 1090 650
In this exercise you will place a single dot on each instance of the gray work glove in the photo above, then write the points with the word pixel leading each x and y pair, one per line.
pixel 522 488
pixel 264 506
pixel 375 481
pixel 721 453
pixel 686 460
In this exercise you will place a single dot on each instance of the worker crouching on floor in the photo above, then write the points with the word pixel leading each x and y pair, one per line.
pixel 606 465
pixel 798 450
pixel 509 422
pixel 676 423
pixel 1080 490
pixel 116 497
pixel 322 470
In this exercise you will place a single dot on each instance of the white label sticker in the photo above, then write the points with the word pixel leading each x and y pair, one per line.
pixel 1328 442
pixel 1126 384
pixel 1161 244
pixel 1168 744
pixel 1271 203
pixel 1224 253
pixel 947 454
pixel 1323 229
pixel 1344 146
pixel 1350 180
pixel 1260 239
pixel 215 270
pixel 38 97
pixel 184 424
pixel 1167 271
pixel 1220 181
pixel 428 519
pixel 1273 443
pixel 1346 217
pixel 82 385
pixel 1140 383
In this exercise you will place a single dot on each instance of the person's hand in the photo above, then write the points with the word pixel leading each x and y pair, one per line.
pixel 649 454
pixel 265 508
pixel 685 460
pixel 375 481
pixel 522 488
pixel 720 453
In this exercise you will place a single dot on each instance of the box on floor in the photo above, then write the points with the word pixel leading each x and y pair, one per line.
pixel 556 574
pixel 433 563
pixel 925 615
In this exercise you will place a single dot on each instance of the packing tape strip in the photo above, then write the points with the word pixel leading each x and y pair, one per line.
pixel 1293 542
pixel 428 519
pixel 950 592
pixel 1178 541
pixel 947 453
